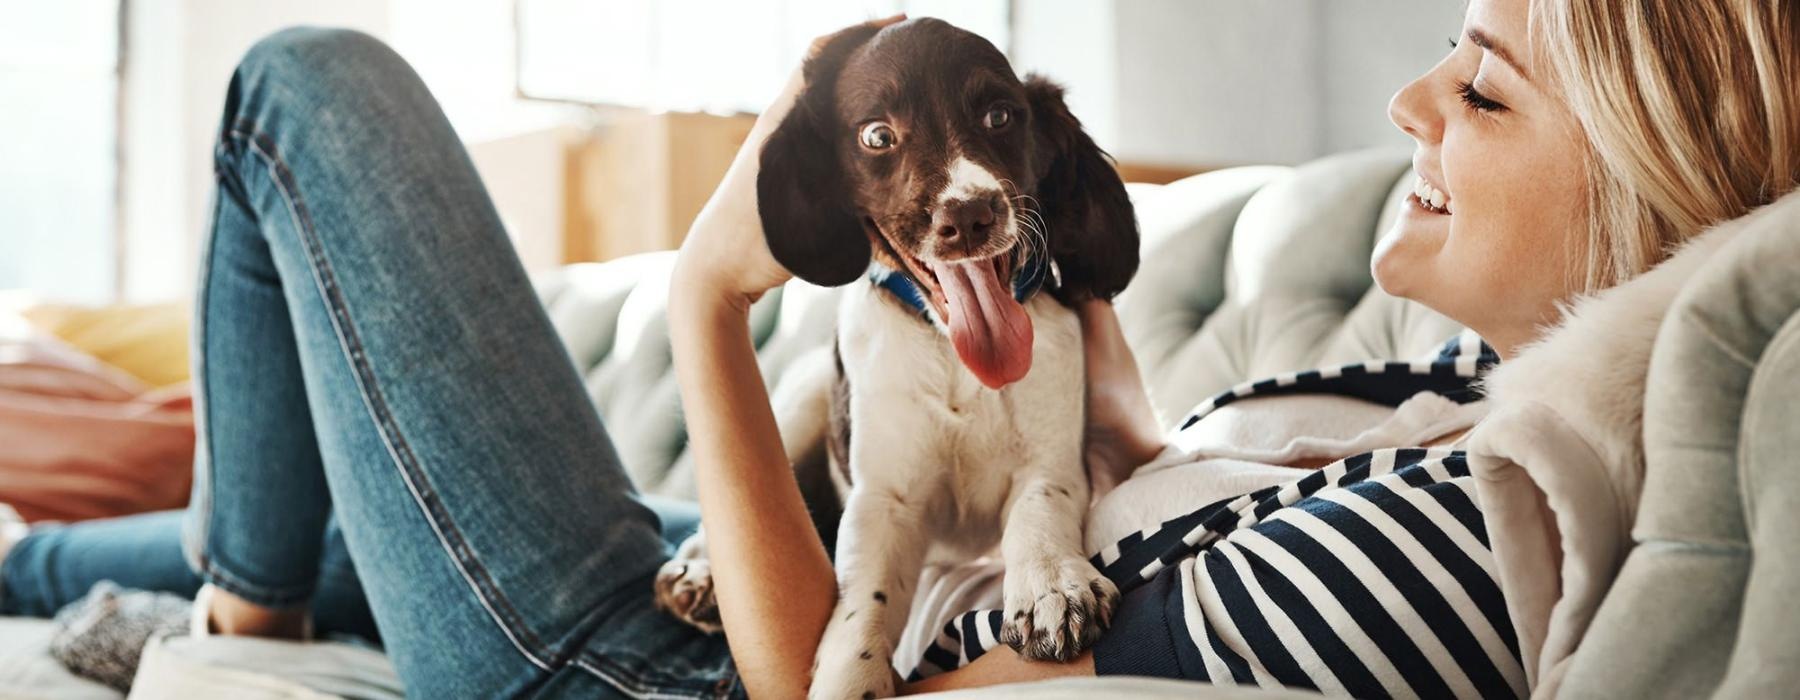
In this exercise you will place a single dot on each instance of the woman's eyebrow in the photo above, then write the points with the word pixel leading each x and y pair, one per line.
pixel 1481 39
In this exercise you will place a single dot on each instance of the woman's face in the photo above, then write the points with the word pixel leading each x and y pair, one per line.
pixel 1505 158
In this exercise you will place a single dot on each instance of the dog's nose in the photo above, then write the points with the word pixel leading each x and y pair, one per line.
pixel 962 219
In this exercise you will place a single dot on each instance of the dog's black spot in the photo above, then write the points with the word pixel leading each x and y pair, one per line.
pixel 1063 491
pixel 868 695
pixel 852 614
pixel 866 655
pixel 881 597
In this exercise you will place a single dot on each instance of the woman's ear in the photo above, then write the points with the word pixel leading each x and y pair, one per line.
pixel 1087 215
pixel 802 191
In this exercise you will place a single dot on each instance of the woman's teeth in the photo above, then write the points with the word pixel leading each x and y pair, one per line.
pixel 1431 197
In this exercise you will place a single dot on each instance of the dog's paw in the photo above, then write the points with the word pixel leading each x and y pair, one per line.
pixel 1055 609
pixel 854 661
pixel 684 589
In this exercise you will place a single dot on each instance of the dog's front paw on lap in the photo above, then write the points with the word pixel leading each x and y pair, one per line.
pixel 684 589
pixel 1056 609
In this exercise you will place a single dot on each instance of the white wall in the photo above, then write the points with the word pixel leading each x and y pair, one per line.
pixel 58 95
pixel 1224 82
pixel 1371 49
pixel 1217 82
pixel 1074 43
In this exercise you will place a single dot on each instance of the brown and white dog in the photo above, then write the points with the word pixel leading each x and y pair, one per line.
pixel 918 148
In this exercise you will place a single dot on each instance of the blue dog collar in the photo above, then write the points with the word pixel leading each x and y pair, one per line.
pixel 1030 280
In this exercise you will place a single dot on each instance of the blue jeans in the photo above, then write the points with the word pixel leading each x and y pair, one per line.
pixel 57 564
pixel 368 348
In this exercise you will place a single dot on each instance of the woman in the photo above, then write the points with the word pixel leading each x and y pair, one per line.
pixel 369 353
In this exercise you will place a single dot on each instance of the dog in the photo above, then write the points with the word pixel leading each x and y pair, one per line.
pixel 916 164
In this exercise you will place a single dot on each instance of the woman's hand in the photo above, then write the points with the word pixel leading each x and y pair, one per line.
pixel 725 255
pixel 1122 430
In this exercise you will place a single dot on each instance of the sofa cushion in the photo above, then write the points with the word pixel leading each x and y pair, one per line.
pixel 1703 604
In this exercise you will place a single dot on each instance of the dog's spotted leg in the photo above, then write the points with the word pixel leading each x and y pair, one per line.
pixel 880 552
pixel 684 585
pixel 1057 603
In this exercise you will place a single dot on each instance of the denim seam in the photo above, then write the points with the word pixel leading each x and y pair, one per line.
pixel 636 666
pixel 637 685
pixel 452 540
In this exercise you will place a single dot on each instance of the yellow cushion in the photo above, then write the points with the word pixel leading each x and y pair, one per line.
pixel 149 341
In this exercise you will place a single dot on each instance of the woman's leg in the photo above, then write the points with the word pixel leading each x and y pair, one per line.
pixel 501 546
pixel 57 564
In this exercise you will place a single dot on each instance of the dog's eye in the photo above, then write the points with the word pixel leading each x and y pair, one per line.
pixel 878 136
pixel 997 117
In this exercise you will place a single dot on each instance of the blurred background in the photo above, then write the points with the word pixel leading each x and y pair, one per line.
pixel 601 125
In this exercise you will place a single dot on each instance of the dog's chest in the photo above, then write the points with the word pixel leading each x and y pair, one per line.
pixel 912 401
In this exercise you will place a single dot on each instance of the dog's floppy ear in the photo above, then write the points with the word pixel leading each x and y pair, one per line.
pixel 1087 215
pixel 802 191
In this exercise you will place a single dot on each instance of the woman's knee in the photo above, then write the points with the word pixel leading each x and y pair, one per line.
pixel 323 58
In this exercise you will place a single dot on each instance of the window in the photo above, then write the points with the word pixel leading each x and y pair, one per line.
pixel 699 55
pixel 59 86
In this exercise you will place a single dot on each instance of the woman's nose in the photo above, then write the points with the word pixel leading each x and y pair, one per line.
pixel 1413 110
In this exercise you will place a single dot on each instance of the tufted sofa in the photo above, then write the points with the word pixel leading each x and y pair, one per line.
pixel 1250 272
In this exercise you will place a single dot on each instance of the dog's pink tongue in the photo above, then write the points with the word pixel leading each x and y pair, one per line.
pixel 989 328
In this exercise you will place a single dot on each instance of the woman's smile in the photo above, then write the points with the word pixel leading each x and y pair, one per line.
pixel 1428 198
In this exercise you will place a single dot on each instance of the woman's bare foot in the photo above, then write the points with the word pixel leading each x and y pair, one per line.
pixel 12 529
pixel 229 615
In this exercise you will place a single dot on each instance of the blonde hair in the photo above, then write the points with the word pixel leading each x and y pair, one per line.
pixel 1691 109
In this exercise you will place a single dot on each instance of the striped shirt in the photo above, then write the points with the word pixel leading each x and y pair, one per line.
pixel 1369 577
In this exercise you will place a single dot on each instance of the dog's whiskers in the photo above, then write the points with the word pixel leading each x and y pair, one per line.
pixel 1029 218
pixel 1032 239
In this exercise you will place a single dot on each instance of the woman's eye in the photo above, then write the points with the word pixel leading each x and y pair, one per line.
pixel 997 117
pixel 878 136
pixel 1477 101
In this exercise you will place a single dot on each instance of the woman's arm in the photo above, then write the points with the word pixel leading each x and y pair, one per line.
pixel 771 577
pixel 773 582
pixel 1122 430
pixel 999 666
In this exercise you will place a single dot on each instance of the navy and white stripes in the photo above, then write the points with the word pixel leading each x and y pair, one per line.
pixel 1450 374
pixel 1370 577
